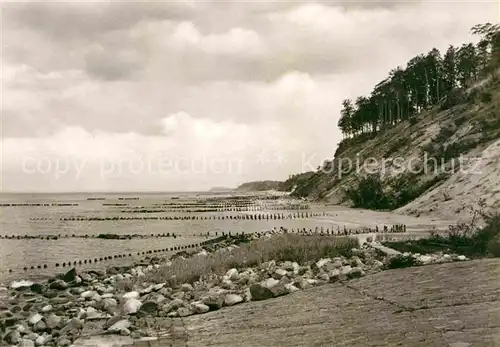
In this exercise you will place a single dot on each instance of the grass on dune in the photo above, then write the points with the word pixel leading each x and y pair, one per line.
pixel 287 247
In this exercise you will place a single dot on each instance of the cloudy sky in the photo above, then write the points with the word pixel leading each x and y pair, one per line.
pixel 187 95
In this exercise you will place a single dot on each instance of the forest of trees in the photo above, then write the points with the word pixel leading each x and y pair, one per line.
pixel 426 80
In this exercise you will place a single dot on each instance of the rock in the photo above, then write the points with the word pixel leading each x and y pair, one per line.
pixel 42 340
pixel 159 286
pixel 31 336
pixel 131 306
pixel 260 292
pixel 214 302
pixel 119 326
pixel 346 270
pixel 186 287
pixel 110 322
pixel 149 307
pixel 268 265
pixel 227 284
pixel 269 283
pixel 12 337
pixel 232 275
pixel 337 263
pixel 288 266
pixel 356 262
pixel 179 295
pixel 47 308
pixel 92 314
pixel 291 288
pixel 9 321
pixel 312 282
pixel 280 273
pixel 58 285
pixel 19 285
pixel 69 276
pixel 147 290
pixel 63 342
pixel 322 262
pixel 26 343
pixel 76 290
pixel 131 295
pixel 377 264
pixel 78 281
pixel 52 321
pixel 109 304
pixel 27 307
pixel 462 257
pixel 335 276
pixel 425 259
pixel 36 288
pixel 22 328
pixel 301 283
pixel 173 305
pixel 184 312
pixel 73 324
pixel 124 332
pixel 201 308
pixel 302 270
pixel 39 326
pixel 50 294
pixel 323 277
pixel 86 277
pixel 232 299
pixel 88 294
pixel 356 273
pixel 279 290
pixel 35 318
pixel 155 297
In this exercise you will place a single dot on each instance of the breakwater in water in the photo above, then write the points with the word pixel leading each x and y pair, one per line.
pixel 72 230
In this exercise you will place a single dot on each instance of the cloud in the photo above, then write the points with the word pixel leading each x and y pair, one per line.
pixel 197 152
pixel 235 41
pixel 115 82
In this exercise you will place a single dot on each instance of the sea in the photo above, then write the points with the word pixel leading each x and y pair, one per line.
pixel 41 230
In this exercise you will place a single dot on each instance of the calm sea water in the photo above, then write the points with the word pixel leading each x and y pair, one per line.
pixel 16 254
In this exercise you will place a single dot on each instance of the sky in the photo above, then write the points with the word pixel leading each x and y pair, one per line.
pixel 188 95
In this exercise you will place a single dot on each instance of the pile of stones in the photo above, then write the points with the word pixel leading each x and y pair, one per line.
pixel 57 311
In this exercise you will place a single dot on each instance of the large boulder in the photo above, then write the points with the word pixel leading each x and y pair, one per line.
pixel 232 275
pixel 149 307
pixel 269 283
pixel 69 276
pixel 213 301
pixel 232 299
pixel 52 321
pixel 131 306
pixel 260 292
pixel 119 326
pixel 58 285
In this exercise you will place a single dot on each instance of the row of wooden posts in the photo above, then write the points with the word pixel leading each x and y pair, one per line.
pixel 127 255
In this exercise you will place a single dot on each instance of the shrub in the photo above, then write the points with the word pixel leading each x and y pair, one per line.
pixel 454 98
pixel 401 261
pixel 290 247
pixel 369 193
pixel 460 120
pixel 486 97
pixel 444 135
pixel 463 238
pixel 494 246
pixel 396 145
